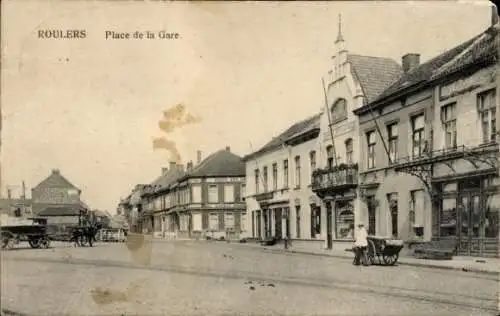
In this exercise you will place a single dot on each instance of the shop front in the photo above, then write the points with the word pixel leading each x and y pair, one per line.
pixel 468 211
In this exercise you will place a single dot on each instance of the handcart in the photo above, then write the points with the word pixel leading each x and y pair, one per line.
pixel 383 250
pixel 36 236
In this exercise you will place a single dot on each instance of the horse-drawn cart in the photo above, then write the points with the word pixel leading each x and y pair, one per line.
pixel 384 250
pixel 34 234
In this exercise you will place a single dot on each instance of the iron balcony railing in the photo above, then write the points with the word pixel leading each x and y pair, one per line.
pixel 332 178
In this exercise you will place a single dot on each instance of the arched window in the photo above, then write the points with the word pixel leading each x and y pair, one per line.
pixel 348 151
pixel 339 110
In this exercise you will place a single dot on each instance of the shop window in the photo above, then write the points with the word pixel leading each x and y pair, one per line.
pixel 344 223
pixel 448 217
pixel 492 209
pixel 486 104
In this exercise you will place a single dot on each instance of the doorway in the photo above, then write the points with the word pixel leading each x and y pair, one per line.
pixel 469 223
pixel 259 225
pixel 329 225
pixel 278 231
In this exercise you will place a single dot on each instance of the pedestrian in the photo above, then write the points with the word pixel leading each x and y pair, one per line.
pixel 360 245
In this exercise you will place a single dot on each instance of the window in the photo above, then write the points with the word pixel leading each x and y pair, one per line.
pixel 213 222
pixel 285 173
pixel 228 193
pixel 243 191
pixel 418 141
pixel 487 113
pixel 392 135
pixel 275 176
pixel 297 171
pixel 17 212
pixel 349 151
pixel 229 220
pixel 257 181
pixel 329 156
pixel 449 121
pixel 196 193
pixel 297 221
pixel 339 111
pixel 312 158
pixel 265 179
pixel 371 141
pixel 213 194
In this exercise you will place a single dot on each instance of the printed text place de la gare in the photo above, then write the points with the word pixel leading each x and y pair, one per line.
pixel 141 35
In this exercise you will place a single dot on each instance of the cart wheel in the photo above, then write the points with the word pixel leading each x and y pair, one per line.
pixel 34 242
pixel 390 259
pixel 45 243
pixel 371 252
pixel 10 243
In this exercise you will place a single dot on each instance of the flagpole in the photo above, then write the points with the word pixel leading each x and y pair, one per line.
pixel 329 123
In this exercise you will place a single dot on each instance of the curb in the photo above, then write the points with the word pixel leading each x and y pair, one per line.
pixel 413 264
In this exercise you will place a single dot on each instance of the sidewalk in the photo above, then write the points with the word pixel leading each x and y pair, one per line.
pixel 489 266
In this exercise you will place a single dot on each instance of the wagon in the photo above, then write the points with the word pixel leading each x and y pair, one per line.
pixel 383 250
pixel 35 235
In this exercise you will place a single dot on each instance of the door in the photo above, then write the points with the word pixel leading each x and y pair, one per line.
pixel 470 217
pixel 259 225
pixel 277 223
pixel 266 223
pixel 329 226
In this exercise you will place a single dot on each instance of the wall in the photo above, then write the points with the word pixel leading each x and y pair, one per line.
pixel 55 196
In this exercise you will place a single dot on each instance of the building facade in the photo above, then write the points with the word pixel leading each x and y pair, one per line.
pixel 202 201
pixel 353 81
pixel 429 150
pixel 279 199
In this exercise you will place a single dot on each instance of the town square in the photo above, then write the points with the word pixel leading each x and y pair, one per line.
pixel 352 172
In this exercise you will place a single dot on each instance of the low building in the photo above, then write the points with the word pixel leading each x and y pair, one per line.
pixel 429 149
pixel 279 199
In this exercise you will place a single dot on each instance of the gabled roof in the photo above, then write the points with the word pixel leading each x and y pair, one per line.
pixel 164 181
pixel 222 163
pixel 293 131
pixel 374 74
pixel 480 48
pixel 56 180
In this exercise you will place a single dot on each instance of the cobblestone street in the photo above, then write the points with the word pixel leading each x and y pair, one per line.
pixel 203 278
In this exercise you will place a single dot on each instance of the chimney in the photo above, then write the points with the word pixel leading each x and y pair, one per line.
pixel 228 148
pixel 55 170
pixel 410 61
pixel 172 165
pixel 164 171
pixel 189 166
pixel 198 157
pixel 494 15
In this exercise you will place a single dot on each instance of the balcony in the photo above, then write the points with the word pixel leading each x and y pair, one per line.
pixel 342 177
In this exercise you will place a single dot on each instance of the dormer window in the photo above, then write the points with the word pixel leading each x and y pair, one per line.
pixel 339 111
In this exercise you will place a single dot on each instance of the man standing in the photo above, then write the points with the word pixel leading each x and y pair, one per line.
pixel 360 245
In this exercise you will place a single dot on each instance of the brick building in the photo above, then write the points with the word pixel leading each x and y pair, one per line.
pixel 429 149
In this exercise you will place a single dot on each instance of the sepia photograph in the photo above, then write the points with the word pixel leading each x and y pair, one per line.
pixel 249 158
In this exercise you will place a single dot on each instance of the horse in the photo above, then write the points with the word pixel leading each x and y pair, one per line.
pixel 83 235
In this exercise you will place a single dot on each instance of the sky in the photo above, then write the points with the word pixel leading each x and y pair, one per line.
pixel 238 75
